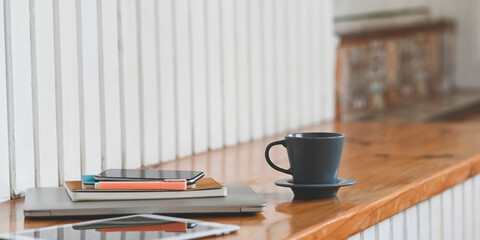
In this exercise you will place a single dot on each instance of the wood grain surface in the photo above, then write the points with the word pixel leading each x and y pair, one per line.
pixel 396 166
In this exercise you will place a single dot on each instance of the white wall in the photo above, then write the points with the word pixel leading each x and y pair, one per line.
pixel 463 12
pixel 95 84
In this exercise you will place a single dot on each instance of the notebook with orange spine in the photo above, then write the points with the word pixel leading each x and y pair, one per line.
pixel 205 187
pixel 141 185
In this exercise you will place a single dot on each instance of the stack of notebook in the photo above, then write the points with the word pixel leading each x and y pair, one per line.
pixel 95 188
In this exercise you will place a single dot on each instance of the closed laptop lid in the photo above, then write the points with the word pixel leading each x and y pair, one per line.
pixel 54 201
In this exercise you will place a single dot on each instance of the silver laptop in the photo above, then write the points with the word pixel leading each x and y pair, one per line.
pixel 54 201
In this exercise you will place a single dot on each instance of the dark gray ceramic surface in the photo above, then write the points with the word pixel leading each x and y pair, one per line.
pixel 314 157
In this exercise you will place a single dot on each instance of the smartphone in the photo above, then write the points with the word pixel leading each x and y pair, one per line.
pixel 149 175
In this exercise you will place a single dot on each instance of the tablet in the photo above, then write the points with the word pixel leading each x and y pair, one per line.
pixel 141 227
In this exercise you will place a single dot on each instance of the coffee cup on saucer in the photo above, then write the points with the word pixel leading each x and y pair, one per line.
pixel 314 161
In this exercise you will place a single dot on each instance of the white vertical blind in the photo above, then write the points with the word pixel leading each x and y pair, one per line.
pixel 130 81
pixel 242 53
pixel 436 227
pixel 318 64
pixel 19 80
pixel 199 76
pixel 268 67
pixel 183 77
pixel 383 229
pixel 369 233
pixel 398 226
pixel 412 224
pixel 447 214
pixel 255 42
pixel 476 207
pixel 165 54
pixel 89 85
pixel 458 212
pixel 68 114
pixel 214 74
pixel 293 80
pixel 148 91
pixel 280 56
pixel 305 62
pixel 4 161
pixel 229 72
pixel 424 220
pixel 327 54
pixel 90 140
pixel 44 101
pixel 109 84
pixel 468 209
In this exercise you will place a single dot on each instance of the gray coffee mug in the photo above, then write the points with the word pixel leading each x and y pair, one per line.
pixel 314 157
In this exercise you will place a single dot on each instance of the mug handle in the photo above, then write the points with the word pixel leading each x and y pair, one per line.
pixel 267 157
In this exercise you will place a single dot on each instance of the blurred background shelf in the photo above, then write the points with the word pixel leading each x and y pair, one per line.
pixel 461 105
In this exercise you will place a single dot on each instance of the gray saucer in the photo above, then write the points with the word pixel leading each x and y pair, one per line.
pixel 314 191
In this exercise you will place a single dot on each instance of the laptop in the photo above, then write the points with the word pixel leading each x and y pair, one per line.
pixel 55 202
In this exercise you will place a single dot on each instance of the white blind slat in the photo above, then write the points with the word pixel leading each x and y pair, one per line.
pixel 214 79
pixel 229 72
pixel 165 36
pixel 24 173
pixel 292 94
pixel 468 209
pixel 149 94
pixel 411 220
pixel 281 66
pixel 458 207
pixel 318 67
pixel 355 237
pixel 384 229
pixel 476 206
pixel 89 89
pixel 436 227
pixel 130 81
pixel 398 230
pixel 242 70
pixel 69 163
pixel 447 212
pixel 256 68
pixel 328 58
pixel 424 220
pixel 199 76
pixel 183 78
pixel 46 102
pixel 111 84
pixel 270 119
pixel 4 158
pixel 370 233
pixel 304 26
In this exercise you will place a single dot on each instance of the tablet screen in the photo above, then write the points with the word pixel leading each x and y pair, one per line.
pixel 141 227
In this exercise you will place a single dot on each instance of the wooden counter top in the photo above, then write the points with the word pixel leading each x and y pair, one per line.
pixel 396 165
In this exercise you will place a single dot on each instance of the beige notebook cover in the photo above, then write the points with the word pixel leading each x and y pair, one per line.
pixel 206 187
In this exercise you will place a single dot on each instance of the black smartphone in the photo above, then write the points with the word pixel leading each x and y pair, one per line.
pixel 148 175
